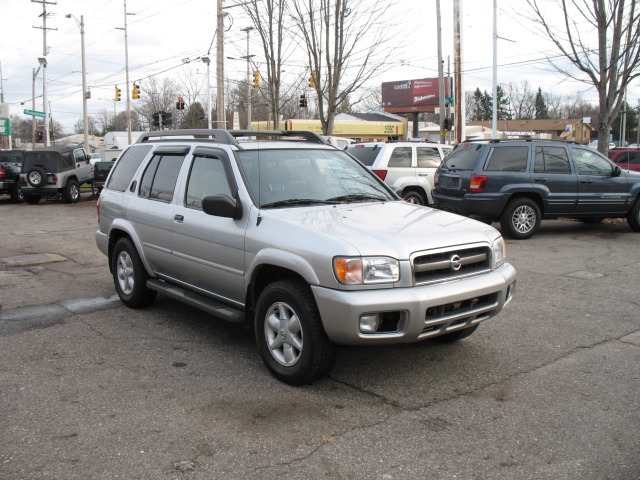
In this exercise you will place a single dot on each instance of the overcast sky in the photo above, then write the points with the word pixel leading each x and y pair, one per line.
pixel 162 34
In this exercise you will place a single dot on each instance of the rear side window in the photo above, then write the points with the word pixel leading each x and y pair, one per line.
pixel 552 160
pixel 428 157
pixel 464 157
pixel 400 157
pixel 126 167
pixel 159 179
pixel 67 161
pixel 367 155
pixel 508 159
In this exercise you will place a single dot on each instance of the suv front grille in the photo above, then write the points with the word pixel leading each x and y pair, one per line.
pixel 445 318
pixel 446 265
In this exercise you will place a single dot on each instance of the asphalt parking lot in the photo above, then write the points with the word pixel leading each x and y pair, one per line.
pixel 548 389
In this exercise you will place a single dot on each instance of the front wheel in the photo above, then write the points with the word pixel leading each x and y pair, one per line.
pixel 289 333
pixel 130 276
pixel 520 218
pixel 633 219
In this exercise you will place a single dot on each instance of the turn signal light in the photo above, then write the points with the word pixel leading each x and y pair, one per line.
pixel 381 173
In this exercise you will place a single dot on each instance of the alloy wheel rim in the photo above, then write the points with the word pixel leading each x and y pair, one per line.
pixel 283 333
pixel 523 219
pixel 125 273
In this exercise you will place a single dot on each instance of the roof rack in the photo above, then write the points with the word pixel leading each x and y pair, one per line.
pixel 305 135
pixel 215 135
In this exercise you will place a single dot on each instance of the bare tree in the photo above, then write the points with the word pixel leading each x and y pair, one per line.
pixel 612 65
pixel 270 21
pixel 346 43
pixel 521 99
pixel 157 95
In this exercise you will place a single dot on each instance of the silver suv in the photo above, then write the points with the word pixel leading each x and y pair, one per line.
pixel 297 240
pixel 407 167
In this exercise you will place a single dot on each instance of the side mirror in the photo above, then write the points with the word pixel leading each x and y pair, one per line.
pixel 222 206
pixel 617 171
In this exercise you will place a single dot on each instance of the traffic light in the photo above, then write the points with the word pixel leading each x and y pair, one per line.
pixel 303 101
pixel 167 118
pixel 118 92
pixel 135 93
pixel 180 104
pixel 256 79
pixel 156 119
pixel 39 136
pixel 447 123
pixel 313 79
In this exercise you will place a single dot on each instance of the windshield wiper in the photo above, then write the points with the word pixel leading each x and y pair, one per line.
pixel 296 201
pixel 357 197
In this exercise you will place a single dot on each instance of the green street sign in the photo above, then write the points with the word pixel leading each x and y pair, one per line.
pixel 34 113
pixel 5 127
pixel 448 100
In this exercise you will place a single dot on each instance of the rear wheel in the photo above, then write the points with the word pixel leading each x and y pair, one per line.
pixel 289 333
pixel 130 276
pixel 520 218
pixel 71 192
pixel 633 219
pixel 414 197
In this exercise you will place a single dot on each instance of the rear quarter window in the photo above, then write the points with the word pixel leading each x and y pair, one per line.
pixel 508 159
pixel 126 167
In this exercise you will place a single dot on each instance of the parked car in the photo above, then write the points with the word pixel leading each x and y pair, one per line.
pixel 628 158
pixel 519 182
pixel 100 173
pixel 407 167
pixel 55 172
pixel 297 240
pixel 10 166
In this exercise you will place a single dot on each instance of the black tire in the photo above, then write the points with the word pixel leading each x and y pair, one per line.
pixel 520 218
pixel 130 276
pixel 31 199
pixel 17 195
pixel 289 333
pixel 414 197
pixel 633 219
pixel 71 192
pixel 455 336
pixel 37 177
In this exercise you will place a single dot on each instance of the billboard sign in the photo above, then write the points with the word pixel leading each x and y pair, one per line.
pixel 413 95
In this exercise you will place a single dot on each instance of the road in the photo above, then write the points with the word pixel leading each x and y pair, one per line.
pixel 548 389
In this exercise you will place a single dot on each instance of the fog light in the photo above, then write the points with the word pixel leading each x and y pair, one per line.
pixel 369 323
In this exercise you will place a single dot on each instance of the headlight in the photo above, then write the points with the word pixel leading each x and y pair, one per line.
pixel 499 252
pixel 366 270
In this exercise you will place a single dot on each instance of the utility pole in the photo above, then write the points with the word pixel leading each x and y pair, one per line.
pixel 458 89
pixel 248 57
pixel 494 119
pixel 43 62
pixel 220 113
pixel 126 66
pixel 440 73
pixel 85 119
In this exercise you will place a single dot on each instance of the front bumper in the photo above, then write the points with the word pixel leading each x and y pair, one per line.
pixel 425 311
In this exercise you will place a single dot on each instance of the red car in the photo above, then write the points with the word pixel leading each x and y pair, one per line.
pixel 627 158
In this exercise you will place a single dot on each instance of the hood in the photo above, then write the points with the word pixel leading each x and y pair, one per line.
pixel 395 229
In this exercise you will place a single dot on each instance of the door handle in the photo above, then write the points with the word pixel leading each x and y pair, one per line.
pixel 178 218
pixel 541 179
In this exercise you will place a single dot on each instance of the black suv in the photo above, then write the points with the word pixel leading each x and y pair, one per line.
pixel 519 182
pixel 10 165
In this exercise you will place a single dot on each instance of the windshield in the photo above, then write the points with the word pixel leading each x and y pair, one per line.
pixel 305 176
pixel 464 157
pixel 46 160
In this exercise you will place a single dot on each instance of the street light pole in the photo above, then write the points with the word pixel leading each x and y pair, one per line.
pixel 220 113
pixel 85 118
pixel 248 57
pixel 43 63
pixel 207 61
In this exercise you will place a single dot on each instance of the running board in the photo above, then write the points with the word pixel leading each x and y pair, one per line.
pixel 217 309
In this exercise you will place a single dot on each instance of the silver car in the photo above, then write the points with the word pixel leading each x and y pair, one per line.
pixel 297 240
